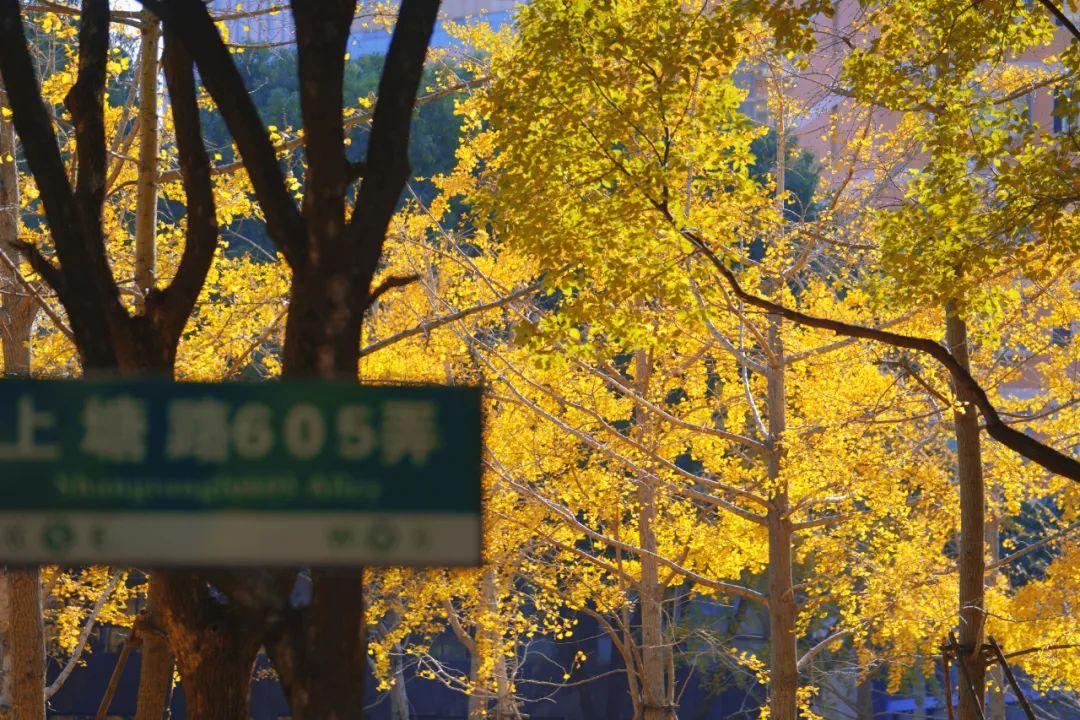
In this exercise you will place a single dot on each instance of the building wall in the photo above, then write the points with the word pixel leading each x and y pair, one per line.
pixel 827 123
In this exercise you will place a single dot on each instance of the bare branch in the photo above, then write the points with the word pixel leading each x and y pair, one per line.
pixel 391 283
pixel 176 302
pixel 190 21
pixel 1017 441
pixel 84 636
pixel 437 322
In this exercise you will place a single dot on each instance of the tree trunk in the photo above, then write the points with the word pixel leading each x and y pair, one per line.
pixel 971 558
pixel 156 666
pixel 5 655
pixel 505 704
pixel 399 694
pixel 995 703
pixel 215 653
pixel 321 657
pixel 783 666
pixel 650 589
pixel 22 632
pixel 477 698
pixel 146 188
pixel 918 691
pixel 864 699
pixel 783 611
pixel 25 659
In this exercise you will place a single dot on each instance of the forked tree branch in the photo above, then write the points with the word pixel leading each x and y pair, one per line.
pixel 190 21
pixel 1019 442
pixel 83 281
pixel 176 302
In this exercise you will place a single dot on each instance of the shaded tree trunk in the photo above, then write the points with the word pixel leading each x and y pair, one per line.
pixel 864 699
pixel 107 336
pixel 25 643
pixel 319 651
pixel 215 650
pixel 971 558
pixel 399 694
pixel 156 665
pixel 22 634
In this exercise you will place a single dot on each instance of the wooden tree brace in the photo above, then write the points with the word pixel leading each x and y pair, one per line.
pixel 992 654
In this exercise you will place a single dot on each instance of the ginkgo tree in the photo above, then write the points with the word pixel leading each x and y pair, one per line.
pixel 577 153
pixel 972 238
pixel 596 123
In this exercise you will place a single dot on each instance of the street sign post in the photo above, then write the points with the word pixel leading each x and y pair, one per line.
pixel 231 474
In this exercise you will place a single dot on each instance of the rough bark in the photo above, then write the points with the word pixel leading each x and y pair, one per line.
pixel 155 666
pixel 971 548
pixel 22 637
pixel 321 657
pixel 26 642
pixel 215 647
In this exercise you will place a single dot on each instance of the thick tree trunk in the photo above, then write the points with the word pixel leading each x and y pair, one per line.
pixel 214 652
pixel 156 666
pixel 322 659
pixel 783 665
pixel 25 645
pixel 783 611
pixel 22 633
pixel 971 558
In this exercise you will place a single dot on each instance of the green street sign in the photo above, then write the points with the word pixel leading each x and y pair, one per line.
pixel 314 473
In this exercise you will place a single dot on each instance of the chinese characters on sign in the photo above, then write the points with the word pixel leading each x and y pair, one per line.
pixel 176 473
